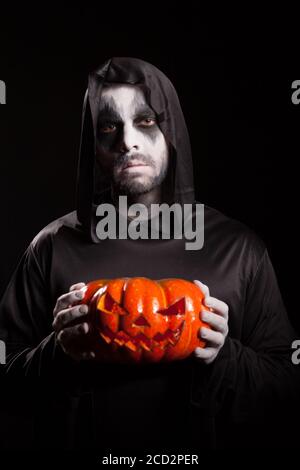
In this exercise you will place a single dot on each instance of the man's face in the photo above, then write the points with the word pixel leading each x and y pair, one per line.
pixel 130 144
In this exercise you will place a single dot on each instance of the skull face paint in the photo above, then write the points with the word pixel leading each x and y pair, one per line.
pixel 130 145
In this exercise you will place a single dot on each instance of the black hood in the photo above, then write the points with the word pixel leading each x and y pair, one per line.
pixel 93 187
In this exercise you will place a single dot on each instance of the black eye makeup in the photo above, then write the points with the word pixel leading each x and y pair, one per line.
pixel 144 112
pixel 109 121
pixel 107 127
pixel 147 121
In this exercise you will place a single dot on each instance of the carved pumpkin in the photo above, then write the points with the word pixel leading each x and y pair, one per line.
pixel 142 320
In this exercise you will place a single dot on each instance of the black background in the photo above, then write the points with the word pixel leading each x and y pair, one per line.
pixel 234 83
pixel 233 78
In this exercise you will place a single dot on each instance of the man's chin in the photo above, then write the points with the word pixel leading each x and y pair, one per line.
pixel 135 190
pixel 135 187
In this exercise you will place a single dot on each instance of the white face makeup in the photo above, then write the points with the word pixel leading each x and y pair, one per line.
pixel 130 144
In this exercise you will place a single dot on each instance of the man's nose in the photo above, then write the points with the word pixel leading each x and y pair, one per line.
pixel 128 139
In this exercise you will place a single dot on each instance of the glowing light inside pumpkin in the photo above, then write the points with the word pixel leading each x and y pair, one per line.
pixel 133 343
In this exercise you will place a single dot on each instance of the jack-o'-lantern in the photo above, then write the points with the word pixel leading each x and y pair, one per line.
pixel 143 320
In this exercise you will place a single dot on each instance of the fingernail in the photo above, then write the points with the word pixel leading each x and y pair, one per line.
pixel 83 308
pixel 92 355
pixel 203 333
pixel 79 294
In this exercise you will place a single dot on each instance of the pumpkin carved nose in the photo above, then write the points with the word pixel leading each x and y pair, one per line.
pixel 141 321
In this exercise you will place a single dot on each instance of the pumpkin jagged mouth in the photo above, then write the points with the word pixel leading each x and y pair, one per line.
pixel 141 341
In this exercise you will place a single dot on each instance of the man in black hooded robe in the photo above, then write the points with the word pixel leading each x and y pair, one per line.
pixel 186 404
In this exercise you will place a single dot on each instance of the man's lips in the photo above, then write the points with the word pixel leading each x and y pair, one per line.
pixel 133 165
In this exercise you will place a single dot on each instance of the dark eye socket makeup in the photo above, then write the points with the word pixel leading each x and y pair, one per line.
pixel 139 120
pixel 111 126
pixel 106 127
pixel 109 119
pixel 144 113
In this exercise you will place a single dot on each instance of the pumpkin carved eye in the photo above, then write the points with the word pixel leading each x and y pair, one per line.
pixel 107 304
pixel 178 308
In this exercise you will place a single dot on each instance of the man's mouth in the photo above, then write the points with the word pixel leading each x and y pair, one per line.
pixel 133 165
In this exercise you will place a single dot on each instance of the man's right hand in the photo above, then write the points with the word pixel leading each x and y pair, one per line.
pixel 72 337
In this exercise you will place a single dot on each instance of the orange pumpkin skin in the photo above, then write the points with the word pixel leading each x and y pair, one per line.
pixel 137 320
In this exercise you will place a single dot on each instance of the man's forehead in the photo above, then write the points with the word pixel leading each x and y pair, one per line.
pixel 124 99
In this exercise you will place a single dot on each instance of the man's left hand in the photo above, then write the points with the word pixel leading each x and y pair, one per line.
pixel 217 318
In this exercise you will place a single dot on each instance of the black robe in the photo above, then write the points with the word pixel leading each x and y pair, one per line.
pixel 236 400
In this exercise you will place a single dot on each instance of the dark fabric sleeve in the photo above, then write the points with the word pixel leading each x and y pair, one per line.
pixel 42 387
pixel 253 381
pixel 25 323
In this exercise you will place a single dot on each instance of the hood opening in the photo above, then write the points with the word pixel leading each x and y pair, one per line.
pixel 93 186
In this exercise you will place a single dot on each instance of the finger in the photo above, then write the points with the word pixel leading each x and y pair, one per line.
pixel 77 286
pixel 68 335
pixel 217 305
pixel 213 337
pixel 204 353
pixel 66 300
pixel 217 322
pixel 203 287
pixel 64 317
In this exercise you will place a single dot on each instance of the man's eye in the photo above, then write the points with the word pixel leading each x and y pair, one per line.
pixel 147 122
pixel 107 128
